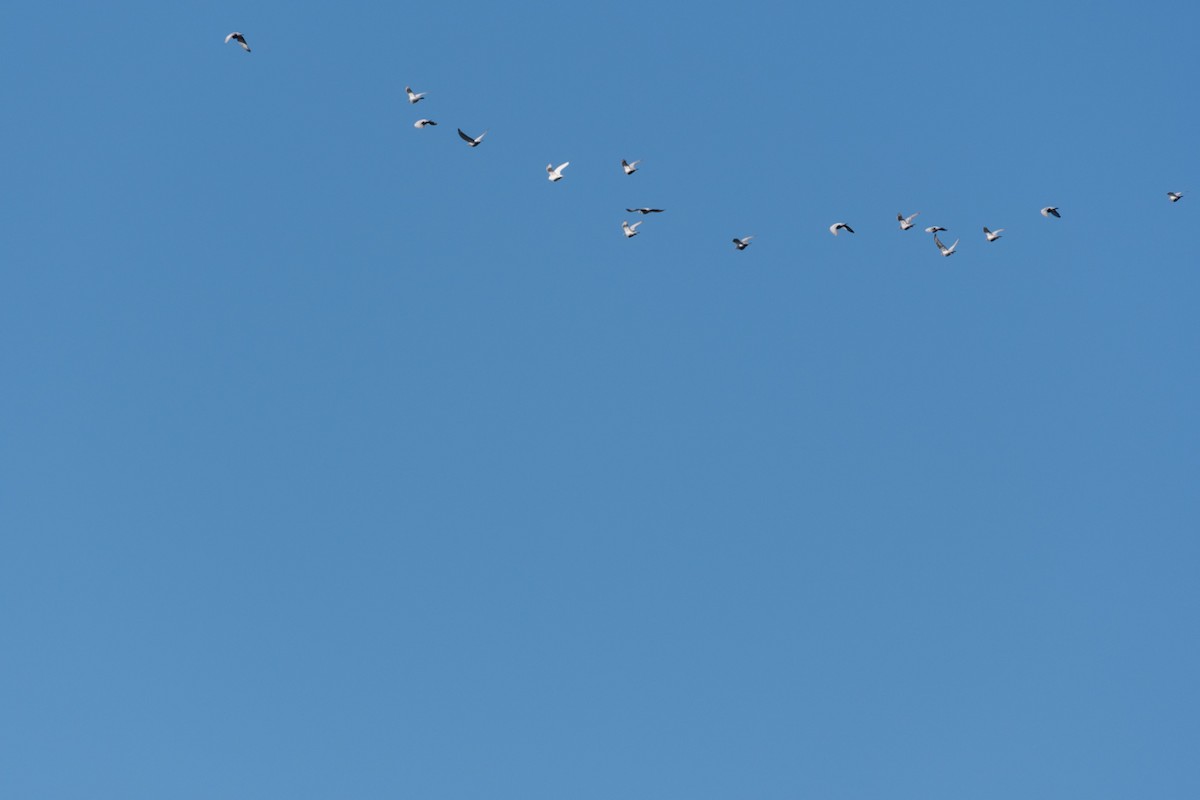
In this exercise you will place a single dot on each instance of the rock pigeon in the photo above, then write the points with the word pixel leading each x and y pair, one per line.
pixel 946 251
pixel 630 230
pixel 992 235
pixel 555 173
pixel 1051 211
pixel 414 97
pixel 644 210
pixel 906 222
pixel 424 123
pixel 629 168
pixel 1174 197
pixel 472 142
pixel 743 243
pixel 838 226
pixel 934 229
pixel 237 37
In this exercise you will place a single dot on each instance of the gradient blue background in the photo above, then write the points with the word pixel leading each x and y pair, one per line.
pixel 342 460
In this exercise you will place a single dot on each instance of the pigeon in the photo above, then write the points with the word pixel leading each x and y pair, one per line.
pixel 629 168
pixel 1051 211
pixel 1174 197
pixel 237 37
pixel 472 142
pixel 742 243
pixel 946 251
pixel 644 210
pixel 630 230
pixel 837 226
pixel 906 222
pixel 424 123
pixel 555 173
pixel 992 235
pixel 414 97
pixel 934 229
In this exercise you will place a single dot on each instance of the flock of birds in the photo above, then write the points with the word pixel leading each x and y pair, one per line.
pixel 555 174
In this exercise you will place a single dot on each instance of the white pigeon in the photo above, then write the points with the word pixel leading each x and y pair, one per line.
pixel 630 230
pixel 414 97
pixel 555 173
pixel 838 226
pixel 1174 197
pixel 237 37
pixel 628 167
pixel 992 235
pixel 423 123
pixel 742 243
pixel 946 251
pixel 906 222
pixel 471 142
pixel 1050 211
pixel 934 229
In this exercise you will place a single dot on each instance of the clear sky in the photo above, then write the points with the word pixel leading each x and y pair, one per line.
pixel 340 459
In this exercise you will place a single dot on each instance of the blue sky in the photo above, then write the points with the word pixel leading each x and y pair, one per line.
pixel 340 459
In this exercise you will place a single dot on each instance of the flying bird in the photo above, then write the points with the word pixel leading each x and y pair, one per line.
pixel 424 123
pixel 237 37
pixel 743 243
pixel 906 222
pixel 414 97
pixel 555 173
pixel 1174 197
pixel 992 235
pixel 946 251
pixel 629 168
pixel 644 210
pixel 1051 211
pixel 837 226
pixel 472 142
pixel 630 230
pixel 934 229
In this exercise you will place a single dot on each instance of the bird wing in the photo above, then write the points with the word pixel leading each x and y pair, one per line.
pixel 562 166
pixel 834 228
pixel 465 138
pixel 939 244
pixel 950 249
pixel 997 231
pixel 911 217
pixel 633 227
pixel 847 227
